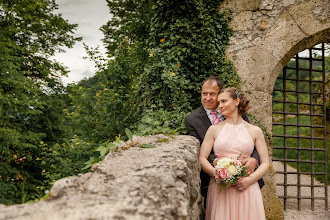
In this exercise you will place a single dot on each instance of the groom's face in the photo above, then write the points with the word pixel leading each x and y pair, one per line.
pixel 209 95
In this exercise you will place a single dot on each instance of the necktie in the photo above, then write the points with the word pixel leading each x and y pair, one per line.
pixel 215 119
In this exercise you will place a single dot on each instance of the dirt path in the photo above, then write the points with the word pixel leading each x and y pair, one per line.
pixel 292 212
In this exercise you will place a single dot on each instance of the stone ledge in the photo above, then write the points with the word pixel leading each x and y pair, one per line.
pixel 138 183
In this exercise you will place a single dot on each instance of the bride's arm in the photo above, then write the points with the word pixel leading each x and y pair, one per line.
pixel 261 146
pixel 206 149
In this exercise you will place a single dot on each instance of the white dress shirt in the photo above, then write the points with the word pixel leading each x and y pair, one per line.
pixel 219 115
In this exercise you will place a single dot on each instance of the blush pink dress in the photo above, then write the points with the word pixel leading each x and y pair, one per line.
pixel 229 203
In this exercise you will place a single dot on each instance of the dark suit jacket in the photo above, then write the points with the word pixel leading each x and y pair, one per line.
pixel 197 123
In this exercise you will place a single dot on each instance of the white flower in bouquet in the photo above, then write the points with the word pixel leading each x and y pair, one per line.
pixel 222 163
pixel 232 170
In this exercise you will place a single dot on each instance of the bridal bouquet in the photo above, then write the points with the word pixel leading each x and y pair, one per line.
pixel 228 170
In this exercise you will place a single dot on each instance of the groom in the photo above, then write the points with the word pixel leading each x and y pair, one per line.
pixel 202 118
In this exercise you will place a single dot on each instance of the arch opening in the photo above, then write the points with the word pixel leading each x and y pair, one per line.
pixel 300 117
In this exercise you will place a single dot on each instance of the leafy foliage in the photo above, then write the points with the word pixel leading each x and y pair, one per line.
pixel 160 53
pixel 31 94
pixel 61 160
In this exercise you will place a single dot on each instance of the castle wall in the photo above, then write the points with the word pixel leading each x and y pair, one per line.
pixel 266 35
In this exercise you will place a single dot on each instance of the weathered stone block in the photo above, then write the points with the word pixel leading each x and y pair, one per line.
pixel 263 25
pixel 308 22
pixel 261 107
pixel 282 36
pixel 287 3
pixel 267 5
pixel 253 65
pixel 247 5
pixel 227 4
pixel 242 21
pixel 138 183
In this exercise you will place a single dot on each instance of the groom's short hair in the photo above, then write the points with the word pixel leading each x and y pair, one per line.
pixel 214 79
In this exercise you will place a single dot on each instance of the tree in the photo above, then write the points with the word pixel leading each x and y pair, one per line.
pixel 160 53
pixel 31 93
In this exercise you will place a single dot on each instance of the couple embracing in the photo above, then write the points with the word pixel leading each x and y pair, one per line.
pixel 222 127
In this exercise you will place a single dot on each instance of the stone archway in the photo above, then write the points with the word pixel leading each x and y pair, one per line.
pixel 267 34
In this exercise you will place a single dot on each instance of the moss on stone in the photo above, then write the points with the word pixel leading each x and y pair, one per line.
pixel 273 205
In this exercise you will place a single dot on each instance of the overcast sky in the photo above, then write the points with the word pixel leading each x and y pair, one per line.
pixel 90 15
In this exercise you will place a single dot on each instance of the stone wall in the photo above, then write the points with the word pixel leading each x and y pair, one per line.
pixel 266 35
pixel 137 183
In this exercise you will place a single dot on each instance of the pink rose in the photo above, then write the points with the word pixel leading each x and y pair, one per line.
pixel 237 163
pixel 223 173
pixel 216 174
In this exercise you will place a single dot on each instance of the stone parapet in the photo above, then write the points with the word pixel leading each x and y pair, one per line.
pixel 137 183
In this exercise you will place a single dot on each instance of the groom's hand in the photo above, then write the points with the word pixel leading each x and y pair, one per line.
pixel 244 183
pixel 215 161
pixel 250 162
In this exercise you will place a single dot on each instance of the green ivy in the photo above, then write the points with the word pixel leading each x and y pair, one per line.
pixel 160 52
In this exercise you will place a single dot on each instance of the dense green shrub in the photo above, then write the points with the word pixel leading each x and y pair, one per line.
pixel 160 52
pixel 31 93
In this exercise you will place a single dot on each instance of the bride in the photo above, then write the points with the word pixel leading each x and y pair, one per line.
pixel 234 138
